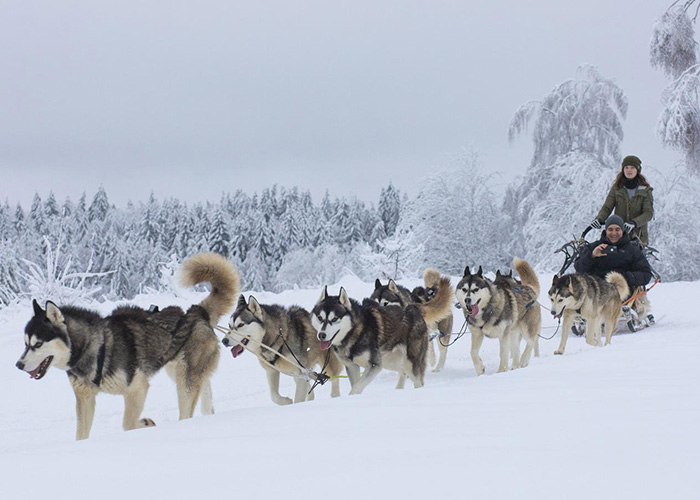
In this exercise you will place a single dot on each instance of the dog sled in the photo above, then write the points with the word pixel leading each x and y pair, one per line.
pixel 635 309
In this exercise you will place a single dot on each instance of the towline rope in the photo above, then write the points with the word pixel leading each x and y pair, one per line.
pixel 306 373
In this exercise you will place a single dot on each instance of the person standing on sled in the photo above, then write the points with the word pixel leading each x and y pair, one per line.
pixel 631 198
pixel 614 251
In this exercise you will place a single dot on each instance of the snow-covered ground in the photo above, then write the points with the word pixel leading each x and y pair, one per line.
pixel 616 422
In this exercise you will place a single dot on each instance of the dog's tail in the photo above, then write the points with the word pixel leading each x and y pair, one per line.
pixel 620 284
pixel 431 277
pixel 440 306
pixel 217 270
pixel 527 274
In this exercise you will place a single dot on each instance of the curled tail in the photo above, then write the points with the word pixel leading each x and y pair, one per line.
pixel 217 270
pixel 527 274
pixel 440 306
pixel 620 284
pixel 431 277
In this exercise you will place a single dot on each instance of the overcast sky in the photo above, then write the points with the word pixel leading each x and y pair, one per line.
pixel 193 98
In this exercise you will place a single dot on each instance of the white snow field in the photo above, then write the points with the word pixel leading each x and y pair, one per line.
pixel 617 422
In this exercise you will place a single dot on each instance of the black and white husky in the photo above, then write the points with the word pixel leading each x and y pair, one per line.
pixel 289 332
pixel 373 337
pixel 118 354
pixel 395 294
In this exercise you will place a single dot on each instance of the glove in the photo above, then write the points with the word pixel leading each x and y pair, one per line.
pixel 629 226
pixel 595 224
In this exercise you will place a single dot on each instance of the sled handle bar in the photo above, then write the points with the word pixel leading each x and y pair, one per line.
pixel 585 232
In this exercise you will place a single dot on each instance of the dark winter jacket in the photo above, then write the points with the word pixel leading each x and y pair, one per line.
pixel 639 209
pixel 626 258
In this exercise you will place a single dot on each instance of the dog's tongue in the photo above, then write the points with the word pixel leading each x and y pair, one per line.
pixel 473 310
pixel 236 350
pixel 34 372
pixel 325 344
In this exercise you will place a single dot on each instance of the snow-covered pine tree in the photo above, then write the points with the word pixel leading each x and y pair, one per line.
pixel 219 239
pixel 99 207
pixel 390 208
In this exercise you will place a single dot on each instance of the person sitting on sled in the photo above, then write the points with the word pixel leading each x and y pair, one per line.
pixel 614 251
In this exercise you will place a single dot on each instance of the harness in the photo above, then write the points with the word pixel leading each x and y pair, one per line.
pixel 100 363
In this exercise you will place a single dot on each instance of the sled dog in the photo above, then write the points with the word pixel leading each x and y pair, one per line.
pixel 375 337
pixel 273 325
pixel 505 312
pixel 588 297
pixel 515 285
pixel 394 294
pixel 118 354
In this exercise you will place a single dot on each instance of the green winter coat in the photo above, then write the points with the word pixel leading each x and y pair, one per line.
pixel 639 209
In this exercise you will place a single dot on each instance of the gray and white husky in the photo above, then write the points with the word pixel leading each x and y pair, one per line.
pixel 506 311
pixel 281 329
pixel 395 294
pixel 375 337
pixel 119 353
pixel 583 296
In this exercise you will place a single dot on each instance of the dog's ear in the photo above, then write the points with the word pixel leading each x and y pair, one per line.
pixel 571 286
pixel 241 301
pixel 324 294
pixel 38 311
pixel 377 284
pixel 480 272
pixel 344 300
pixel 54 313
pixel 510 273
pixel 254 307
pixel 498 273
pixel 467 272
pixel 555 278
pixel 392 287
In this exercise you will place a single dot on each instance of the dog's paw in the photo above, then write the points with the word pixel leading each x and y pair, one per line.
pixel 147 422
pixel 436 369
pixel 593 342
pixel 559 351
pixel 282 401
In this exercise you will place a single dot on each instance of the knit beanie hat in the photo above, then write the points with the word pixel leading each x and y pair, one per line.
pixel 632 160
pixel 615 220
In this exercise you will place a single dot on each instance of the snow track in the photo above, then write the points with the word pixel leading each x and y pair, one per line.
pixel 613 422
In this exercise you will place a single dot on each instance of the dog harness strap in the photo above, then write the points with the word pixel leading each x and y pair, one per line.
pixel 100 363
pixel 529 304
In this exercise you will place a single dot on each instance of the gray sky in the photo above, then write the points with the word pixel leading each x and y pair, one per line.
pixel 192 98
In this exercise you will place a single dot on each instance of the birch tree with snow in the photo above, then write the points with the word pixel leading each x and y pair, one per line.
pixel 577 131
pixel 674 51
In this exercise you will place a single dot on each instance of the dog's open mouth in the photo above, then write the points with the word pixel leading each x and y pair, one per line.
pixel 40 370
pixel 325 344
pixel 238 348
pixel 472 309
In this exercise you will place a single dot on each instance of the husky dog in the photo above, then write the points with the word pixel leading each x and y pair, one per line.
pixel 590 298
pixel 422 294
pixel 515 285
pixel 377 337
pixel 118 354
pixel 273 325
pixel 392 294
pixel 503 312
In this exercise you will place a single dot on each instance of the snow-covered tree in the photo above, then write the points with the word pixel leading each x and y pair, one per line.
pixel 583 114
pixel 456 221
pixel 673 50
pixel 99 206
pixel 390 208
